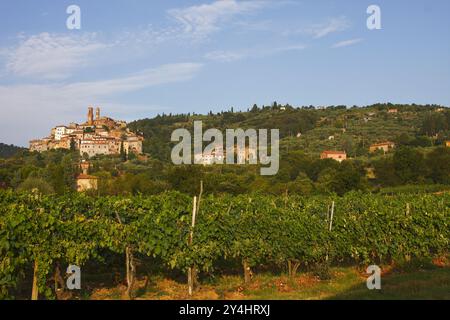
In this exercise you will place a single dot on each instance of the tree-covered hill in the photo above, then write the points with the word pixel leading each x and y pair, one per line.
pixel 419 162
pixel 7 151
pixel 311 129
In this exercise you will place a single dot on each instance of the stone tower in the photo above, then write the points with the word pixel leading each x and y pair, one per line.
pixel 97 114
pixel 85 165
pixel 90 116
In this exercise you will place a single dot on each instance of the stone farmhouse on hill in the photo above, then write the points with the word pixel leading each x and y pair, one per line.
pixel 335 155
pixel 85 181
pixel 385 146
pixel 97 136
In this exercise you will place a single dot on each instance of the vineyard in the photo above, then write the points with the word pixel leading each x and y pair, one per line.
pixel 208 234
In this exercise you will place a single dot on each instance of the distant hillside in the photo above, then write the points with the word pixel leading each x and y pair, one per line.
pixel 418 162
pixel 311 129
pixel 7 151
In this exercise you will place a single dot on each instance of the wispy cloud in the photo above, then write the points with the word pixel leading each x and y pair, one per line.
pixel 21 105
pixel 225 56
pixel 202 20
pixel 51 56
pixel 55 57
pixel 347 43
pixel 230 56
pixel 198 22
pixel 164 74
pixel 321 30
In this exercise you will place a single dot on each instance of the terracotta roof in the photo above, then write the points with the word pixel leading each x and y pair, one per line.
pixel 333 152
pixel 86 176
pixel 382 143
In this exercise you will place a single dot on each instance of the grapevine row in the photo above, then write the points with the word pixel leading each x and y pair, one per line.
pixel 256 230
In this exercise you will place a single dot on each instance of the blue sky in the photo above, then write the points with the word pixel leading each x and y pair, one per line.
pixel 138 58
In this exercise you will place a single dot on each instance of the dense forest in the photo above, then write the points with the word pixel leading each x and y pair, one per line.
pixel 419 162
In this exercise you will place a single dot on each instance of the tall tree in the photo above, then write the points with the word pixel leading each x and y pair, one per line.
pixel 409 165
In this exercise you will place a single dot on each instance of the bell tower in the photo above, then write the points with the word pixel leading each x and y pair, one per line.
pixel 97 113
pixel 90 116
pixel 85 165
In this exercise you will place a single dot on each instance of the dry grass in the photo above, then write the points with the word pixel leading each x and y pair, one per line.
pixel 345 283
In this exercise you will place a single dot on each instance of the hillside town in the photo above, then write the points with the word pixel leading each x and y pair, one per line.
pixel 97 136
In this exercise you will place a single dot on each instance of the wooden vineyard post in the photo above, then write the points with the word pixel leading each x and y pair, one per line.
pixel 192 272
pixel 247 272
pixel 35 290
pixel 331 216
pixel 130 267
pixel 191 237
pixel 200 196
pixel 330 224
pixel 407 213
pixel 131 272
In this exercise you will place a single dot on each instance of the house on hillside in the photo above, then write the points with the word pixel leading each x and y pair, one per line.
pixel 335 155
pixel 86 182
pixel 385 146
pixel 393 111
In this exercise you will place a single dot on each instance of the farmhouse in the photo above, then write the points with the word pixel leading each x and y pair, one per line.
pixel 86 182
pixel 335 155
pixel 385 146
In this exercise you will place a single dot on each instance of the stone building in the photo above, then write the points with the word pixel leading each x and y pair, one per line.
pixel 39 145
pixel 241 156
pixel 94 146
pixel 385 146
pixel 335 155
pixel 85 181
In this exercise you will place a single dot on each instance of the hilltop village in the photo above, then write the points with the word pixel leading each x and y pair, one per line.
pixel 97 136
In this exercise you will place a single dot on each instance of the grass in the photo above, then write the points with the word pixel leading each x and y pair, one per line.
pixel 345 283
